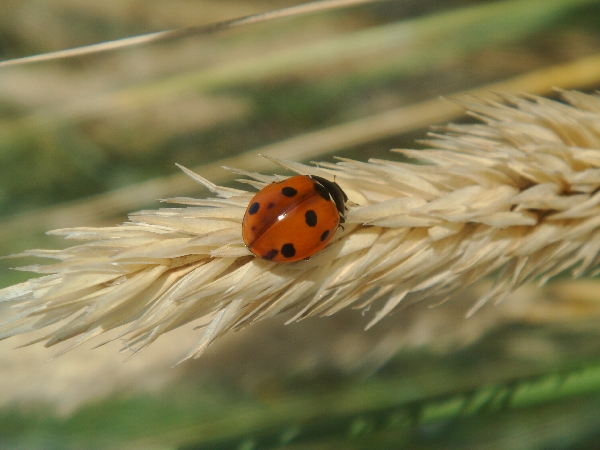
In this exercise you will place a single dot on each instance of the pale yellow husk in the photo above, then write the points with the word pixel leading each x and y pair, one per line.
pixel 516 196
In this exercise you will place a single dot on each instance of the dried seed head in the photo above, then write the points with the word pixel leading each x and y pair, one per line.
pixel 517 196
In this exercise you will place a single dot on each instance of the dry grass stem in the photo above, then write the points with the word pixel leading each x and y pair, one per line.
pixel 516 196
pixel 170 35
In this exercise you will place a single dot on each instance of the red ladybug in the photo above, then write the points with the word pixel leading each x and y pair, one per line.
pixel 293 219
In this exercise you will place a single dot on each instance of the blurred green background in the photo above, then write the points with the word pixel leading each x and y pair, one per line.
pixel 85 140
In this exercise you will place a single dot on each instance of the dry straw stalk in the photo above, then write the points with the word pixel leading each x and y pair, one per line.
pixel 516 196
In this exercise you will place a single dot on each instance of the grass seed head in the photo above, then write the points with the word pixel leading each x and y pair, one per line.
pixel 516 196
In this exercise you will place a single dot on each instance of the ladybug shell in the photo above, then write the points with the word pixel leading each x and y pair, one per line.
pixel 293 219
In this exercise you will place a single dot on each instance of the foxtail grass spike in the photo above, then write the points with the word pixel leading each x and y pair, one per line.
pixel 516 196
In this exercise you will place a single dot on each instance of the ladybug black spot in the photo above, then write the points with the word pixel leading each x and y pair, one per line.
pixel 288 250
pixel 270 205
pixel 270 254
pixel 254 207
pixel 322 191
pixel 289 191
pixel 311 218
pixel 324 235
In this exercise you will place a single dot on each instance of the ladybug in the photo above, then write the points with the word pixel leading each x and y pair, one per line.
pixel 293 219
